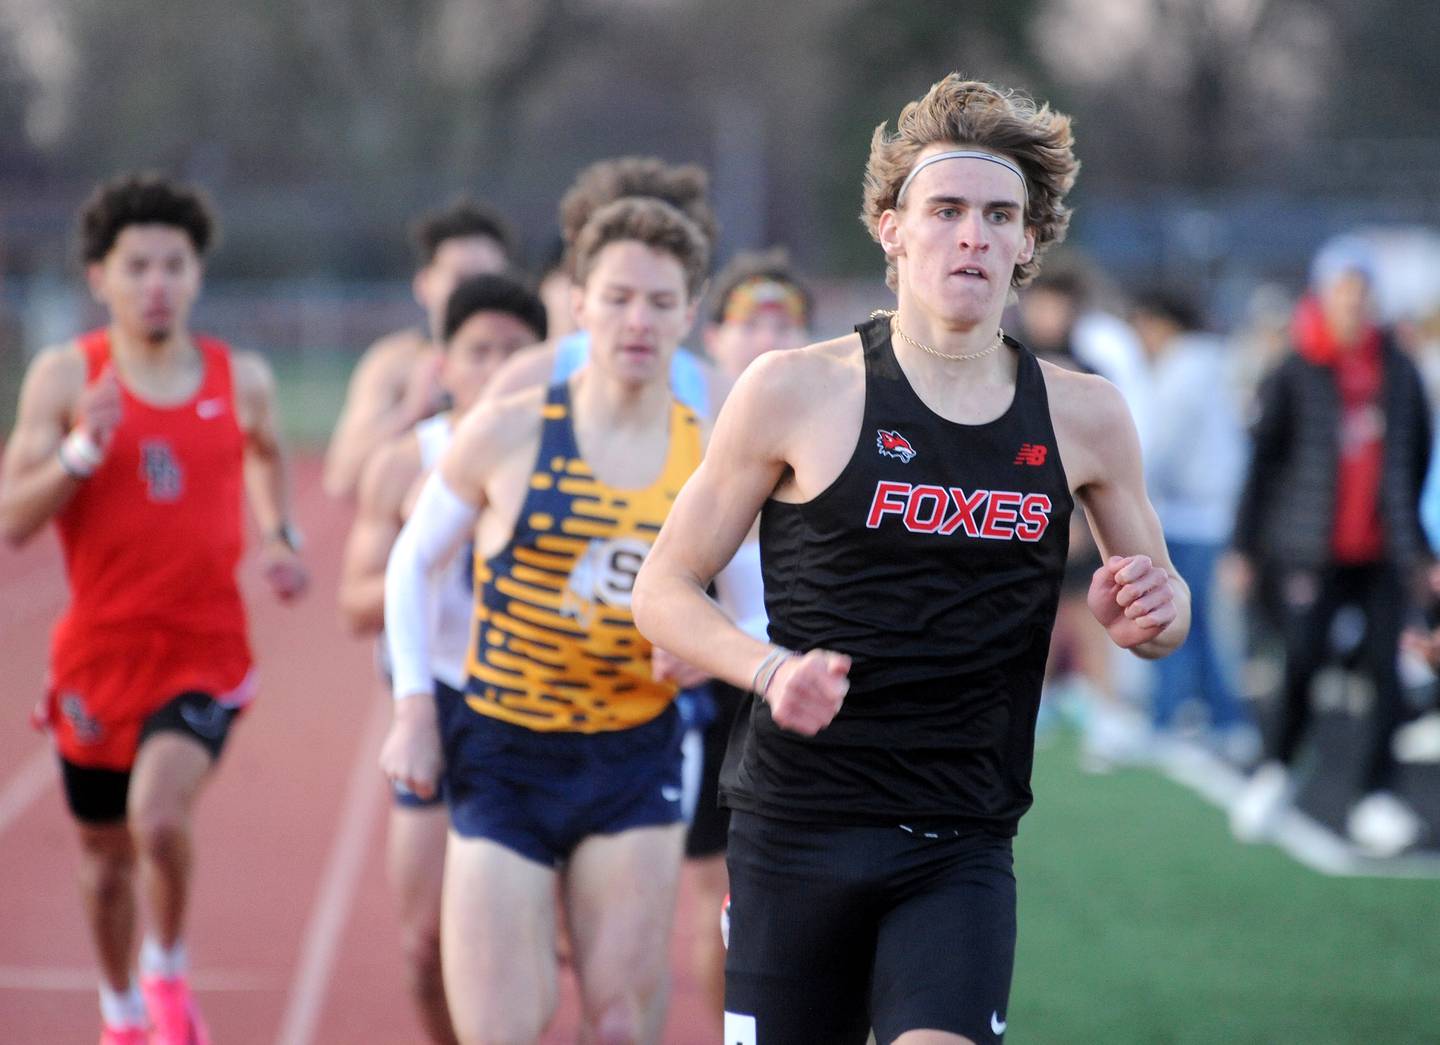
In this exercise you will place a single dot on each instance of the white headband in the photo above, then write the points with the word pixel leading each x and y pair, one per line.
pixel 959 154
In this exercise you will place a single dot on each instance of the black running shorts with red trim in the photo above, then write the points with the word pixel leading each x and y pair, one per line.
pixel 835 929
pixel 97 795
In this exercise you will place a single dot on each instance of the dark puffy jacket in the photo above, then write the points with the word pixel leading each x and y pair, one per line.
pixel 1287 506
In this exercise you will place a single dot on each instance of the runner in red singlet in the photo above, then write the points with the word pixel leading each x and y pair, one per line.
pixel 138 440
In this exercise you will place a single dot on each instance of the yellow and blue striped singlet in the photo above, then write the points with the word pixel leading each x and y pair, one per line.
pixel 554 646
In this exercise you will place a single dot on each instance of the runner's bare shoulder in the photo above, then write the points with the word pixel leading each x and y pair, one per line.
pixel 803 378
pixel 1092 421
pixel 1088 402
pixel 397 349
pixel 55 377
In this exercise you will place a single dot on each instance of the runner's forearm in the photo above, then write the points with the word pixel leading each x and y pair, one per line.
pixel 267 487
pixel 677 615
pixel 32 498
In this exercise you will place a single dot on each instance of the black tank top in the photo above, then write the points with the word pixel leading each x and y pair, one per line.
pixel 934 561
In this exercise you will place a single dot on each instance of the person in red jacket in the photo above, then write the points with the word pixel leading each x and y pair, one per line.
pixel 137 439
pixel 1332 504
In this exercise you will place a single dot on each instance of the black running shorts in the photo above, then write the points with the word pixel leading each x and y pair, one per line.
pixel 838 929
pixel 97 795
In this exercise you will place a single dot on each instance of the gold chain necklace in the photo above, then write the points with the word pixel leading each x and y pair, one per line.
pixel 895 326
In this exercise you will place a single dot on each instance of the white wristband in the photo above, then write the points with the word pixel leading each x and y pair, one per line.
pixel 80 455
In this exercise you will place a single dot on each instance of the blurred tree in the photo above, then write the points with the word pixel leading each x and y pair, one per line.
pixel 16 98
pixel 1387 75
pixel 1193 93
pixel 883 55
pixel 323 125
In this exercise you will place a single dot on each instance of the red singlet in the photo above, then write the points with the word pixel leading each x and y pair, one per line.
pixel 151 543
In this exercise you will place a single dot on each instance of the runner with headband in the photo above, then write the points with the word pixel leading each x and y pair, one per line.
pixel 914 482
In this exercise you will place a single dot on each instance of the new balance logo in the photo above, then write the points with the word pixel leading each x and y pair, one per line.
pixel 893 444
pixel 209 409
pixel 1031 454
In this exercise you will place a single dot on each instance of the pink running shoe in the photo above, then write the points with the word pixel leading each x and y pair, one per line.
pixel 123 1035
pixel 173 1012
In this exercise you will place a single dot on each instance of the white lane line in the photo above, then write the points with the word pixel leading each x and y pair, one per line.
pixel 348 854
pixel 32 779
pixel 57 978
pixel 1306 840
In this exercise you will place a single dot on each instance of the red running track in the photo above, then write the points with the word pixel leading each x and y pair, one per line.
pixel 292 933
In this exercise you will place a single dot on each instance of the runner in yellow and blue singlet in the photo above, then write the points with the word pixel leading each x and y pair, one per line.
pixel 555 647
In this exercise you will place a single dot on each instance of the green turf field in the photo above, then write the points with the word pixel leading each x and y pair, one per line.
pixel 310 388
pixel 1142 921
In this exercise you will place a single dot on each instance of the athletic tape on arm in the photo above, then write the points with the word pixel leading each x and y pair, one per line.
pixel 439 524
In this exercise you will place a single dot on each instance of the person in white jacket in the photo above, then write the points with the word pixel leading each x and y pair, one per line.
pixel 1194 451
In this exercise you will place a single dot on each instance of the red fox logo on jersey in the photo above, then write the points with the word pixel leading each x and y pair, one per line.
pixel 893 444
pixel 995 515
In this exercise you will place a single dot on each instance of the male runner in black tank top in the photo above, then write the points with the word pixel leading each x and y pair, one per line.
pixel 916 481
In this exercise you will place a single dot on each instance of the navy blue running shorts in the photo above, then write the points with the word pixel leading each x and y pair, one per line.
pixel 838 929
pixel 541 794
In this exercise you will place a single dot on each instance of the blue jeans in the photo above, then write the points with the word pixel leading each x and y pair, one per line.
pixel 1195 670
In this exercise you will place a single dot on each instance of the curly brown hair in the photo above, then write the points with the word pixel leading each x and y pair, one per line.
pixel 144 199
pixel 652 222
pixel 684 187
pixel 972 113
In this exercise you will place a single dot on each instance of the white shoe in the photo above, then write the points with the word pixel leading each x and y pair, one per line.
pixel 1114 736
pixel 1418 741
pixel 1239 745
pixel 1382 825
pixel 1258 808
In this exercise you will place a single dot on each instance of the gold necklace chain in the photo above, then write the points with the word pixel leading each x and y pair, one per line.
pixel 895 326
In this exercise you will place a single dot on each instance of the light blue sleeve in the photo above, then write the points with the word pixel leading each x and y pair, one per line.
pixel 571 352
pixel 1430 494
pixel 689 383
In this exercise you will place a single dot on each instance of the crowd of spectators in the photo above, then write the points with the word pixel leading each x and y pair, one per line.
pixel 1290 462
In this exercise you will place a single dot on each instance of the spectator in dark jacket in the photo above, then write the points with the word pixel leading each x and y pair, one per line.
pixel 1331 501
